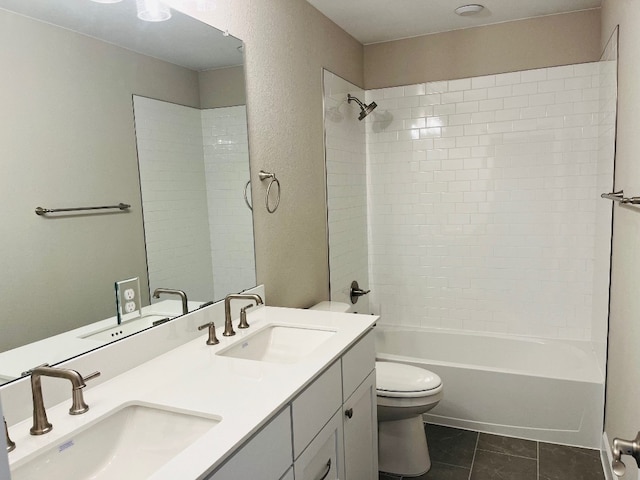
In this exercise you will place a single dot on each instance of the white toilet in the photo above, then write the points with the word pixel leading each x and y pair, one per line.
pixel 404 392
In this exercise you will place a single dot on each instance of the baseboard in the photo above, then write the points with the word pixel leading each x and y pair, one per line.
pixel 606 457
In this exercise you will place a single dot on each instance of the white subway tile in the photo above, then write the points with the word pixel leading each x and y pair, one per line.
pixel 533 75
pixel 466 107
pixel 452 97
pixel 483 82
pixel 408 102
pixel 475 95
pixel 519 101
pixel 462 84
pixel 436 87
pixel 414 90
pixel 565 71
pixel 443 110
pixel 500 92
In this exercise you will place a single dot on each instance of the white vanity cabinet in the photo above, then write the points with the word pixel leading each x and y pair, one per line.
pixel 360 410
pixel 267 455
pixel 327 432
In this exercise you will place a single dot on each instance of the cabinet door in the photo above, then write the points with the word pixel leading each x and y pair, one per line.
pixel 266 456
pixel 323 458
pixel 361 432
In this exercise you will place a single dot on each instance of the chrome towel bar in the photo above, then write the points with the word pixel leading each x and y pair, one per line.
pixel 44 211
pixel 619 197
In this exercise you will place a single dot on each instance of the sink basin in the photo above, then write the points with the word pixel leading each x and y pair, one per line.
pixel 131 443
pixel 125 329
pixel 279 344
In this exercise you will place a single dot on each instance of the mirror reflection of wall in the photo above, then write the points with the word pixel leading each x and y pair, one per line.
pixel 67 139
pixel 193 168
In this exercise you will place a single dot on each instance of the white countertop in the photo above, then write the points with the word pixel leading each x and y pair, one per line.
pixel 192 378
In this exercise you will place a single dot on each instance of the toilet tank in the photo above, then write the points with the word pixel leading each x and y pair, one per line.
pixel 338 307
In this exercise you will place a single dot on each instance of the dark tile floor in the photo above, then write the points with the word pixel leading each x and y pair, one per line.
pixel 465 455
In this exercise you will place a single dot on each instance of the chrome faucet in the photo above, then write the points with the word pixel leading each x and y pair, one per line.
pixel 228 327
pixel 11 446
pixel 41 424
pixel 183 297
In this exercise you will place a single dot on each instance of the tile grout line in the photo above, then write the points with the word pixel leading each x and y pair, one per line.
pixel 538 460
pixel 475 450
pixel 509 454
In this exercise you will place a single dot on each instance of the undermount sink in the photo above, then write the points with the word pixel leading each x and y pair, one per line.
pixel 125 329
pixel 131 443
pixel 279 344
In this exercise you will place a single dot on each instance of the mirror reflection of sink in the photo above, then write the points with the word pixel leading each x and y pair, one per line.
pixel 279 344
pixel 130 443
pixel 126 328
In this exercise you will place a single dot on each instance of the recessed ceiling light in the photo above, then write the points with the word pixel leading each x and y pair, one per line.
pixel 468 10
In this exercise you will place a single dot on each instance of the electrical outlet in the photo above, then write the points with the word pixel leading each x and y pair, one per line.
pixel 128 304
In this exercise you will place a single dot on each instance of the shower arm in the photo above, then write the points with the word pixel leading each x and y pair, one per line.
pixel 349 98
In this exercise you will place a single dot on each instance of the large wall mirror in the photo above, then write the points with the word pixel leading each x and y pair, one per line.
pixel 97 107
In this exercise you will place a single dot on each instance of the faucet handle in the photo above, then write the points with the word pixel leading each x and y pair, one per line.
pixel 91 376
pixel 212 340
pixel 78 405
pixel 11 446
pixel 243 316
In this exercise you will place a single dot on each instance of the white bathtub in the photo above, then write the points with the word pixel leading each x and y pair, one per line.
pixel 537 389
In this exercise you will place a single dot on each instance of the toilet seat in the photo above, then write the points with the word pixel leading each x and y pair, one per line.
pixel 399 380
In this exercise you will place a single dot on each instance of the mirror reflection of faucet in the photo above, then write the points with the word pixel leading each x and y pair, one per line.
pixel 171 291
pixel 11 446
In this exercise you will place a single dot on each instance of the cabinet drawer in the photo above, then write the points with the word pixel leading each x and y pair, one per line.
pixel 323 458
pixel 314 407
pixel 267 455
pixel 358 363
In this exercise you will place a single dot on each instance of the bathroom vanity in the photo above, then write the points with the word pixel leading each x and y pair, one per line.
pixel 292 394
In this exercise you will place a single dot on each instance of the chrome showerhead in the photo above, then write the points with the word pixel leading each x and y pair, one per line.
pixel 364 108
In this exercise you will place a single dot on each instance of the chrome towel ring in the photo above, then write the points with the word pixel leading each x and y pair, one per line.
pixel 264 176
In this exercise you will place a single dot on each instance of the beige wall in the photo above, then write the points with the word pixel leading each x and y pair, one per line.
pixel 287 42
pixel 222 87
pixel 505 47
pixel 622 416
pixel 67 140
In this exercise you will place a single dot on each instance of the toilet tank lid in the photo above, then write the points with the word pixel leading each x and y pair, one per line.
pixel 398 377
pixel 327 306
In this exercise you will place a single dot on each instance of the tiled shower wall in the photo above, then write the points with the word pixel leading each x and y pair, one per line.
pixel 226 163
pixel 193 168
pixel 346 190
pixel 174 193
pixel 482 200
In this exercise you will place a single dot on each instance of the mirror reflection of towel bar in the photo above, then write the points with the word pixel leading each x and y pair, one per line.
pixel 44 211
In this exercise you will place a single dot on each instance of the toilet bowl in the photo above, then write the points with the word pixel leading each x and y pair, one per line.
pixel 404 393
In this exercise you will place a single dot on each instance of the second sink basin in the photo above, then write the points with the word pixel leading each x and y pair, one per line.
pixel 279 344
pixel 131 443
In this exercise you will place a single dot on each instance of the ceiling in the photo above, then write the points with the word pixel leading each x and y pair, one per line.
pixel 182 40
pixel 372 21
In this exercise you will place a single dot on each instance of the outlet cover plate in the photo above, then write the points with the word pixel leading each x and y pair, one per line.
pixel 128 304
